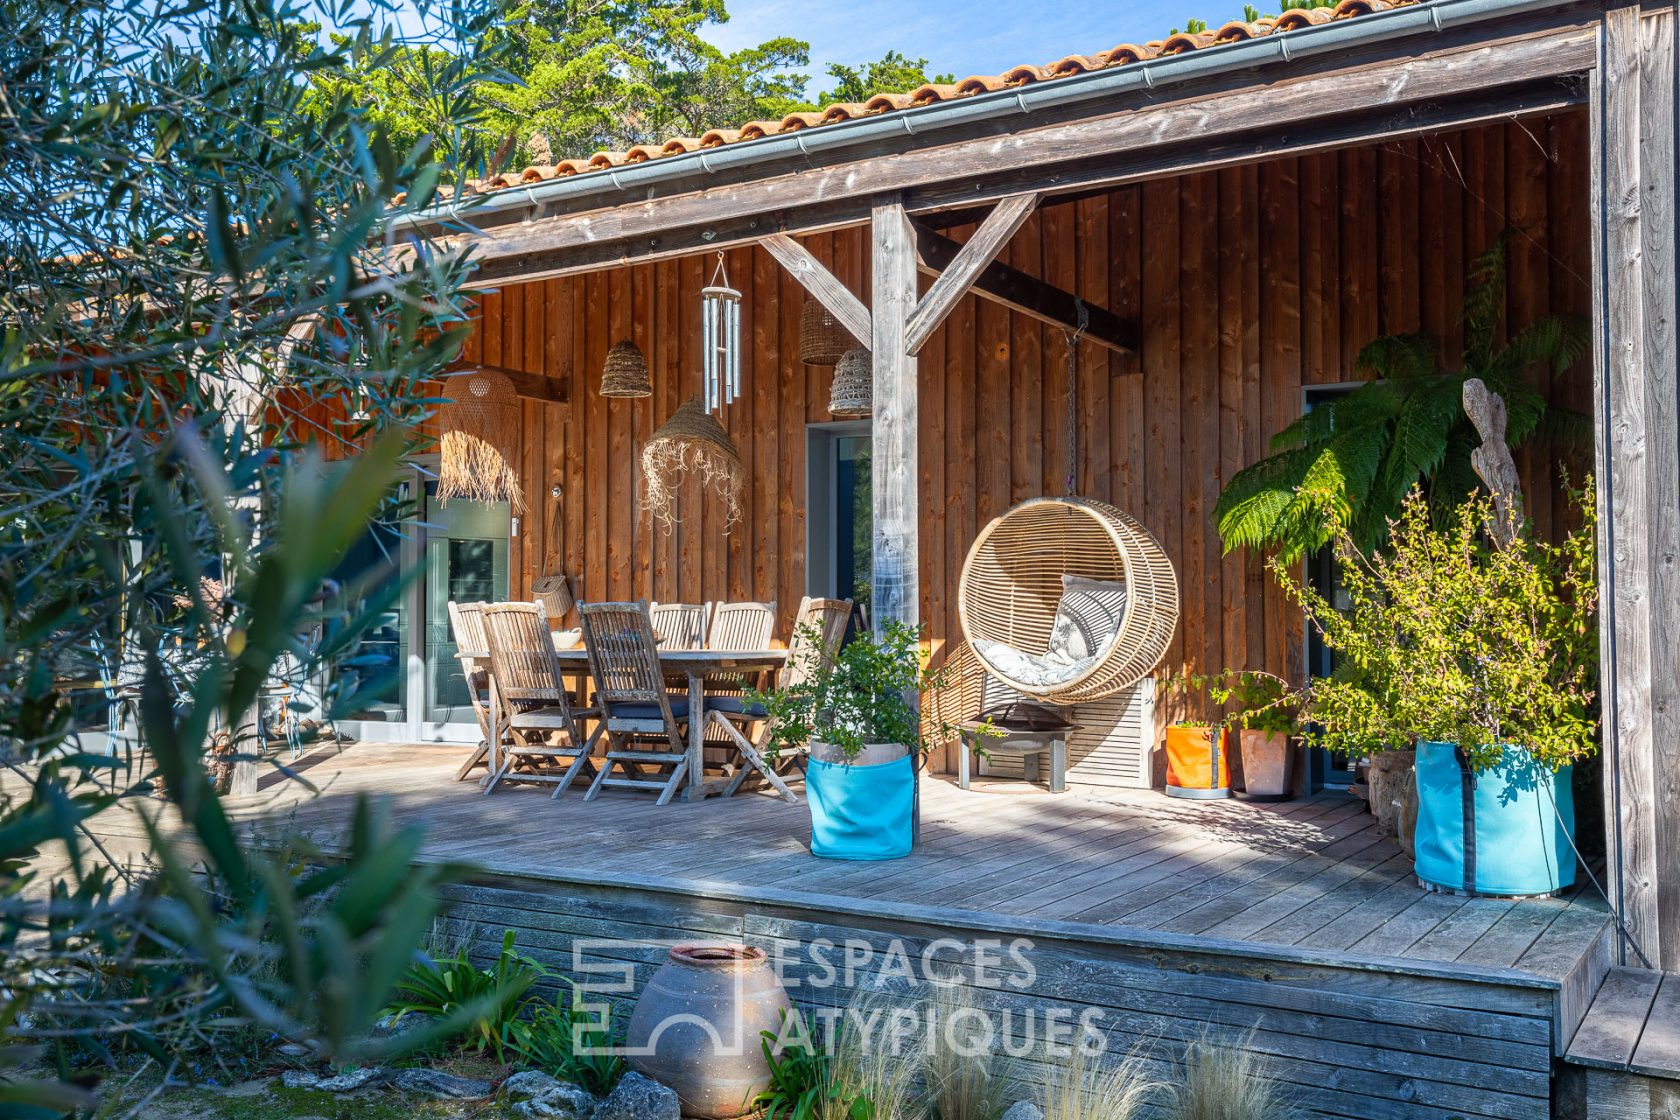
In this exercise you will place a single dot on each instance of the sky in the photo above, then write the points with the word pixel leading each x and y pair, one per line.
pixel 958 37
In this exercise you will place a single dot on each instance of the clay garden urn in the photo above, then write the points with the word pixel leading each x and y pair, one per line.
pixel 698 1024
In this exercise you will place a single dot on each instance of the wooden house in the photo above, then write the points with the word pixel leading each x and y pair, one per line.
pixel 1226 218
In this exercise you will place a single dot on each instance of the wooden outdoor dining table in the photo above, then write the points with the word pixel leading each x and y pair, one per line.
pixel 695 665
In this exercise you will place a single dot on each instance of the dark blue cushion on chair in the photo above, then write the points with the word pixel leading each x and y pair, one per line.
pixel 739 705
pixel 679 709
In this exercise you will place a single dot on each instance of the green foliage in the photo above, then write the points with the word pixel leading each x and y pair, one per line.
pixel 1346 466
pixel 1249 699
pixel 1449 639
pixel 574 1045
pixel 858 694
pixel 187 245
pixel 891 73
pixel 801 1086
pixel 483 1003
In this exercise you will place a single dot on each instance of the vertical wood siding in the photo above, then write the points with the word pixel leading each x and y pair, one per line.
pixel 1248 284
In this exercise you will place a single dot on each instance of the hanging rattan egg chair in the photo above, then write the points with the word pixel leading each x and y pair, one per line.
pixel 1068 600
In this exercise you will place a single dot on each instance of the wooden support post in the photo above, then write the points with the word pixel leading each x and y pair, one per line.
pixel 823 285
pixel 965 268
pixel 894 467
pixel 1638 435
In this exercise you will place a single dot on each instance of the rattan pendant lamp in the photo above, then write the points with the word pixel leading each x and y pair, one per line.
pixel 1014 579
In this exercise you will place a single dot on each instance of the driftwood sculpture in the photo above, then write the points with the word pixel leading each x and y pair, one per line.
pixel 1493 462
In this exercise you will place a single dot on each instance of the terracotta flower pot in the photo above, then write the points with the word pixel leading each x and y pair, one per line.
pixel 1196 763
pixel 1268 765
pixel 697 1027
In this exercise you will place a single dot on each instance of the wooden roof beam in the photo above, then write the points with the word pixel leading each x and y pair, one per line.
pixel 1018 291
pixel 531 386
pixel 823 285
pixel 964 269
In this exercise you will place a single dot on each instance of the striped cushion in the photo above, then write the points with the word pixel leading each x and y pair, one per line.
pixel 1087 619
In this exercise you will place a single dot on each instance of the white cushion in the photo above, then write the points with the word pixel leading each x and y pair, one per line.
pixel 1030 670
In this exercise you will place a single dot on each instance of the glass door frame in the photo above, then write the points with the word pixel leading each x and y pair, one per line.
pixel 821 518
pixel 416 727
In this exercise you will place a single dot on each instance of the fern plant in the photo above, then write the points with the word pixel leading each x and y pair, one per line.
pixel 1346 466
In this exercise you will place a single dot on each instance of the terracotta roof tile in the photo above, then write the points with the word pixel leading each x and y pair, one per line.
pixel 1297 18
pixel 1184 42
pixel 1125 54
pixel 1022 75
pixel 887 103
pixel 1128 52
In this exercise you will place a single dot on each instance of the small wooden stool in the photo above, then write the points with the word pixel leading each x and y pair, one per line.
pixel 1029 746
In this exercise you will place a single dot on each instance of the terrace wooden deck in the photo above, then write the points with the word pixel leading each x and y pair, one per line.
pixel 1293 925
pixel 1311 874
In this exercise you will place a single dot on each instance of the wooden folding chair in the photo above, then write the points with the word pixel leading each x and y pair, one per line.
pixel 817 630
pixel 472 650
pixel 544 728
pixel 635 706
pixel 741 625
pixel 679 625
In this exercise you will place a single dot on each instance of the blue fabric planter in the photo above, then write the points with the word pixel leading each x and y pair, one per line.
pixel 861 812
pixel 1505 831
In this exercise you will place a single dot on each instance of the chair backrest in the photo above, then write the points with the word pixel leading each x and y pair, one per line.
pixel 821 620
pixel 467 624
pixel 741 626
pixel 679 625
pixel 623 657
pixel 522 660
pixel 472 650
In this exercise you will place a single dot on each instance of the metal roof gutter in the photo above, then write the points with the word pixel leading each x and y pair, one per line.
pixel 925 121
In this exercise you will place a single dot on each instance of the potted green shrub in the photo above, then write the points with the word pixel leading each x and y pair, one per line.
pixel 1264 716
pixel 855 708
pixel 1484 657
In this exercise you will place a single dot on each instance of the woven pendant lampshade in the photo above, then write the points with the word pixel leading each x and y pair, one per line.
pixel 852 392
pixel 822 340
pixel 626 373
pixel 480 424
pixel 691 440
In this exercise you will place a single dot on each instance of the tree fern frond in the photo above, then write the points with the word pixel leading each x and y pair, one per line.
pixel 1253 522
pixel 1569 433
pixel 1402 359
pixel 1419 442
pixel 1484 301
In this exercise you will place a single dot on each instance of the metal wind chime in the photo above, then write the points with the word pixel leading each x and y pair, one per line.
pixel 720 317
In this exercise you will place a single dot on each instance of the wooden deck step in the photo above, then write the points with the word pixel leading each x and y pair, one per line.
pixel 1633 1024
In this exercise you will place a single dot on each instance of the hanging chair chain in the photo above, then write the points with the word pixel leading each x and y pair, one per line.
pixel 1072 339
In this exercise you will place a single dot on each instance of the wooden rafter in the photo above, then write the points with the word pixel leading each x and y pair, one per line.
pixel 532 386
pixel 1018 291
pixel 965 267
pixel 823 285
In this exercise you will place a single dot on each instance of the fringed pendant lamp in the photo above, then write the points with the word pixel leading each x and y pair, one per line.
pixel 822 340
pixel 626 373
pixel 851 394
pixel 691 440
pixel 720 339
pixel 479 418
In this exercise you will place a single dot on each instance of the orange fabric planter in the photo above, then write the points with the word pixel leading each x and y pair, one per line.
pixel 1196 765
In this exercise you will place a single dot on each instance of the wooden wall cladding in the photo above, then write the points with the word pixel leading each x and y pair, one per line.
pixel 1249 283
